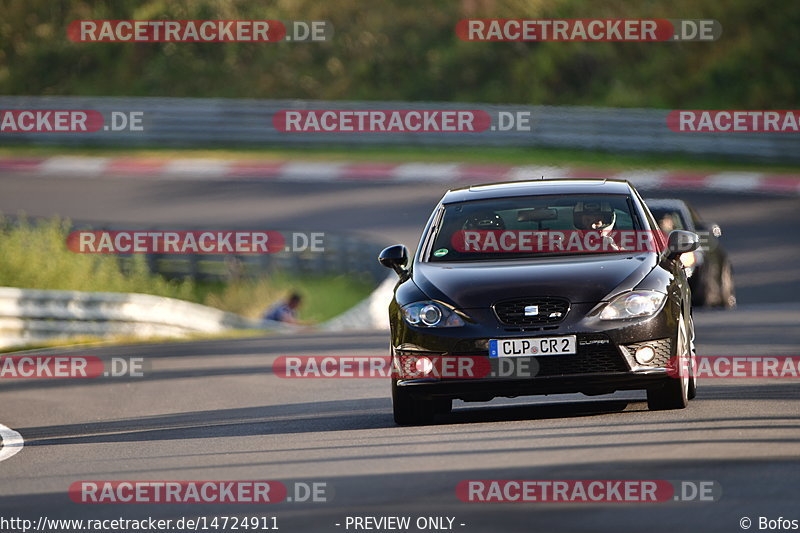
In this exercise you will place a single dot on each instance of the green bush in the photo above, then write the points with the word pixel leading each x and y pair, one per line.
pixel 34 255
pixel 408 50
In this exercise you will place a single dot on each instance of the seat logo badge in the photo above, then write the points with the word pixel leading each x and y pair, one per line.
pixel 531 310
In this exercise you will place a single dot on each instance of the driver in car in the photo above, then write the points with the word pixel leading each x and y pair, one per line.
pixel 596 216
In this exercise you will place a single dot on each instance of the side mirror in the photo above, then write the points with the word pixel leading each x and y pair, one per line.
pixel 679 242
pixel 396 258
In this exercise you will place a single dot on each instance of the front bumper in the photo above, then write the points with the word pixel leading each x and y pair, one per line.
pixel 486 389
pixel 604 361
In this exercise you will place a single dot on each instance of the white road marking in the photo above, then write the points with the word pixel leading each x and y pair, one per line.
pixel 74 166
pixel 425 172
pixel 532 172
pixel 12 442
pixel 196 169
pixel 643 178
pixel 311 171
pixel 735 181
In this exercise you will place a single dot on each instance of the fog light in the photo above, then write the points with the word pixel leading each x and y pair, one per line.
pixel 645 355
pixel 424 365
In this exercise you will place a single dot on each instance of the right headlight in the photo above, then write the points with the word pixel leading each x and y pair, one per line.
pixel 430 314
pixel 633 304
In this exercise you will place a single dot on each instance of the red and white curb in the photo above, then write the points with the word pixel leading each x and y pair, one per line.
pixel 317 171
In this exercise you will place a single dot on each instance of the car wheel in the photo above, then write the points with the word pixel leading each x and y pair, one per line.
pixel 711 293
pixel 705 287
pixel 674 393
pixel 727 288
pixel 410 411
pixel 698 286
pixel 692 392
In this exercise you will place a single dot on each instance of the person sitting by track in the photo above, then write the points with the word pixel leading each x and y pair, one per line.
pixel 285 311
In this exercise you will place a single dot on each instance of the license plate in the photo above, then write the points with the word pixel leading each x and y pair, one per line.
pixel 532 347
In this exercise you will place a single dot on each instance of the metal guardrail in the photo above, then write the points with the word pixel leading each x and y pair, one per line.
pixel 342 255
pixel 28 316
pixel 198 122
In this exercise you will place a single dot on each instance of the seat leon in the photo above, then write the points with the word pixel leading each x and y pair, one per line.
pixel 540 287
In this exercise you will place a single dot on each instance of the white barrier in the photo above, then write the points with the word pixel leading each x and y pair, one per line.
pixel 371 313
pixel 28 315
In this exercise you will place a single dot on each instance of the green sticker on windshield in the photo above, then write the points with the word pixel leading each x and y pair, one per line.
pixel 440 252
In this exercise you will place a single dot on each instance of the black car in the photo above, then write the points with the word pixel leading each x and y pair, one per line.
pixel 592 321
pixel 709 269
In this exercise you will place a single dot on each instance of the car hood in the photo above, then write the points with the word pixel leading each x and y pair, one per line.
pixel 579 279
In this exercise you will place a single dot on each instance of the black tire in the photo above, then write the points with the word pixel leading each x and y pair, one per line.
pixel 698 290
pixel 410 411
pixel 674 393
pixel 727 288
pixel 692 392
pixel 708 292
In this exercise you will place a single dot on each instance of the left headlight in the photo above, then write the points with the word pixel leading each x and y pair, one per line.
pixel 634 304
pixel 430 314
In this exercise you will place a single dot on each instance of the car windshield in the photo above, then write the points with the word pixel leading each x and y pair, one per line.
pixel 668 219
pixel 529 226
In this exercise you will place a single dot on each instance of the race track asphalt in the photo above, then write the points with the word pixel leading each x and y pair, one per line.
pixel 214 410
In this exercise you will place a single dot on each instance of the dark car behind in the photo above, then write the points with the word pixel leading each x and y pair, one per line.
pixel 709 267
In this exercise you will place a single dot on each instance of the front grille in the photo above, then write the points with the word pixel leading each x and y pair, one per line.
pixel 662 347
pixel 594 356
pixel 550 311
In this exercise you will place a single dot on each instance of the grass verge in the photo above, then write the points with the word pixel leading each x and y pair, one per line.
pixel 34 256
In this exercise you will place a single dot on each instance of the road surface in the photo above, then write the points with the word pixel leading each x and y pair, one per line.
pixel 214 410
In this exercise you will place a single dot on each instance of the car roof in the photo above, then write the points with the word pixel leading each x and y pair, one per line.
pixel 507 189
